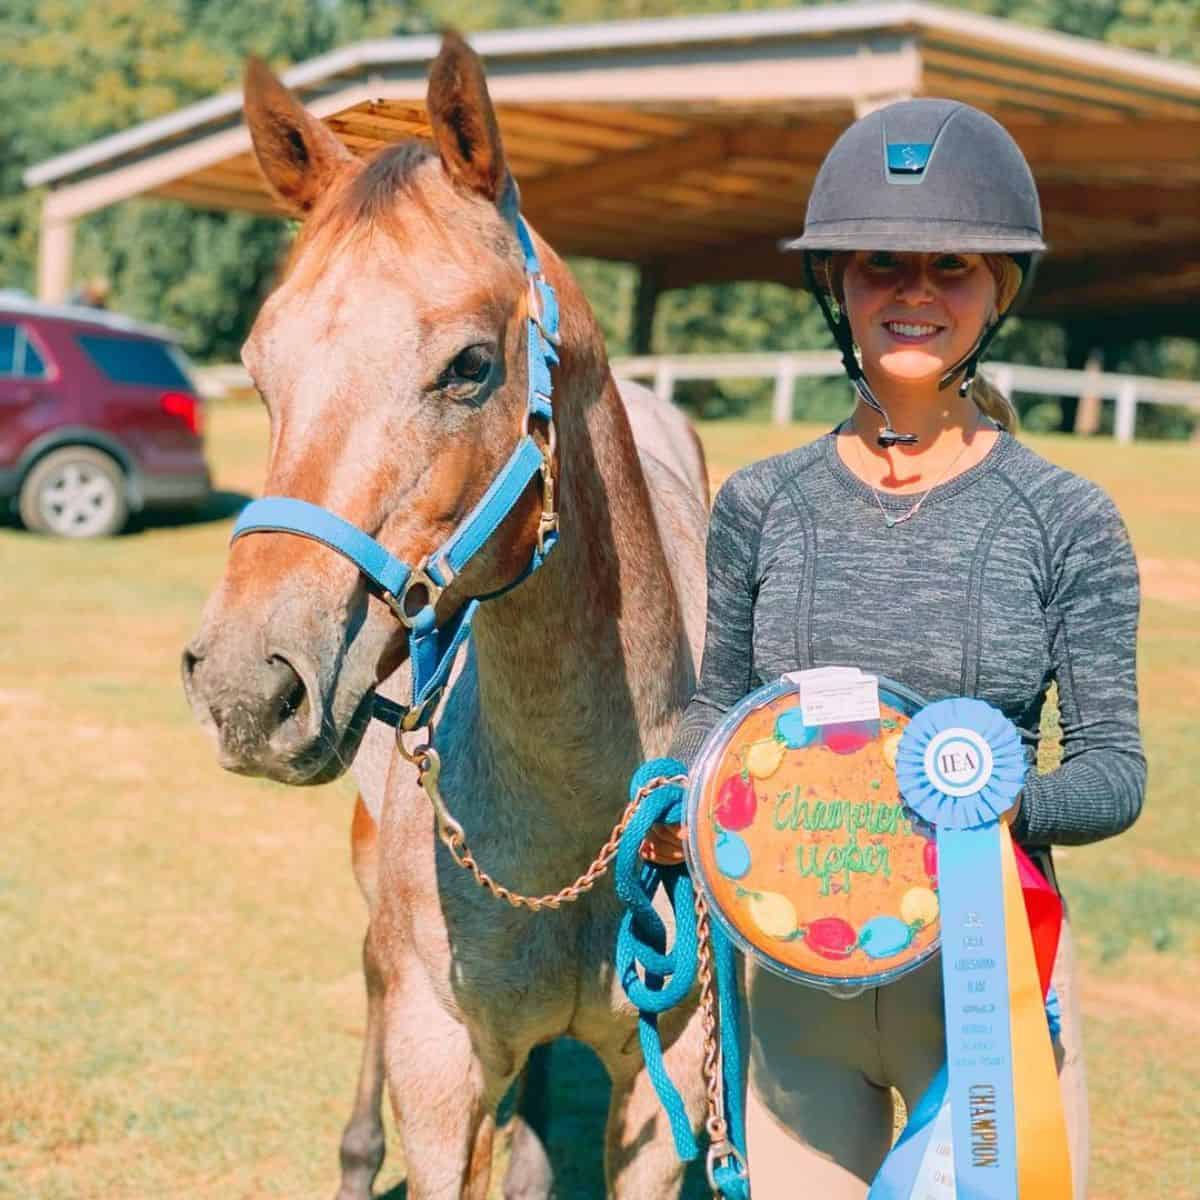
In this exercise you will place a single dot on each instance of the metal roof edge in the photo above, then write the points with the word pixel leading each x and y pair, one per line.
pixel 13 300
pixel 566 39
pixel 1136 65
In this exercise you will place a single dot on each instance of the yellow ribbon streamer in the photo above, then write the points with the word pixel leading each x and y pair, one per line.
pixel 1043 1160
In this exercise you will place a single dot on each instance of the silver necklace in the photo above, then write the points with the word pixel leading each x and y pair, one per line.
pixel 889 520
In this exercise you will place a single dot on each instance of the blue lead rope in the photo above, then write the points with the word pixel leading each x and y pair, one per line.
pixel 656 978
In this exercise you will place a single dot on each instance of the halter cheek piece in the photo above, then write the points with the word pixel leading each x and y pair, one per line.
pixel 412 592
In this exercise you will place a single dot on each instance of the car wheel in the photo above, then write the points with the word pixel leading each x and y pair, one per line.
pixel 75 492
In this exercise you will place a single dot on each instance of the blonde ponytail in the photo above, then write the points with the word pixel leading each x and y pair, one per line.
pixel 989 399
pixel 994 404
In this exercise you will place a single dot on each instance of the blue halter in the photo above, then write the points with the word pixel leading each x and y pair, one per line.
pixel 412 593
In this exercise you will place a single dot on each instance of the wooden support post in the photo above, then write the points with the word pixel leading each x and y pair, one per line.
pixel 645 301
pixel 1080 340
pixel 1087 415
pixel 55 245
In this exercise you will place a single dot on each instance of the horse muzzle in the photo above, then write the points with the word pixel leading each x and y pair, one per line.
pixel 266 712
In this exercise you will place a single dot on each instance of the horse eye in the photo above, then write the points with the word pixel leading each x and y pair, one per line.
pixel 470 366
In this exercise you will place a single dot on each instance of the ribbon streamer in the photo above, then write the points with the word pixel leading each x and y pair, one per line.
pixel 990 1126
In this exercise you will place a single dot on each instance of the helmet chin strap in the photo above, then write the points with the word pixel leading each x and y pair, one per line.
pixel 840 328
pixel 968 365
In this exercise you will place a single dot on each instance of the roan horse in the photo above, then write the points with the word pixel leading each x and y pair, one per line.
pixel 392 363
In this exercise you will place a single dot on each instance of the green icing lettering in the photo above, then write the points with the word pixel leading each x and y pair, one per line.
pixel 824 863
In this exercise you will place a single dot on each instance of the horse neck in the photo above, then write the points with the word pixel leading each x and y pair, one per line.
pixel 587 661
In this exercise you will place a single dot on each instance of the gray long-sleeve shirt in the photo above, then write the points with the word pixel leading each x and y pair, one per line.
pixel 1012 575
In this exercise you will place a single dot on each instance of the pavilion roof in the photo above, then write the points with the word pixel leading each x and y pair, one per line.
pixel 689 144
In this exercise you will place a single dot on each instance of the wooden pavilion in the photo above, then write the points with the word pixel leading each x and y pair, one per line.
pixel 688 145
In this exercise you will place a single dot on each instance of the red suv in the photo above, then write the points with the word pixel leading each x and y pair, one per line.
pixel 98 419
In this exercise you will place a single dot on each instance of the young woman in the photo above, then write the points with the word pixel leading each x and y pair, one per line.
pixel 919 540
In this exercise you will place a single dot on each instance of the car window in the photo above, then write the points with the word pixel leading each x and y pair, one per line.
pixel 18 355
pixel 33 364
pixel 134 360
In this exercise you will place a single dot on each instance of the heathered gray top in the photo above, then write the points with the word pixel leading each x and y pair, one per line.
pixel 1013 574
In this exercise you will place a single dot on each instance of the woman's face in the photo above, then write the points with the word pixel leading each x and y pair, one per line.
pixel 915 315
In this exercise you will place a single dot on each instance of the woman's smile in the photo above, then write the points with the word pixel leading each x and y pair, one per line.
pixel 913 333
pixel 915 315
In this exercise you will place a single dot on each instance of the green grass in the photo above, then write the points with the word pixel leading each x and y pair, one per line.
pixel 180 1002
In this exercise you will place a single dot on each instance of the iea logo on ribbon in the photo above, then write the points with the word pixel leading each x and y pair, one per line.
pixel 958 762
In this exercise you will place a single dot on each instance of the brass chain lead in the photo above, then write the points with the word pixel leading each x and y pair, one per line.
pixel 720 1146
pixel 454 838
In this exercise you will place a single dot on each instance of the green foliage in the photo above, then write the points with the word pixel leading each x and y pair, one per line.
pixel 1157 910
pixel 746 316
pixel 72 71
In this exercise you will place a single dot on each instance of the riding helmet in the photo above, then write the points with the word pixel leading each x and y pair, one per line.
pixel 922 176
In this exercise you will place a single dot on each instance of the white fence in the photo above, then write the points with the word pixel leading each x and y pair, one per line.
pixel 665 370
pixel 785 368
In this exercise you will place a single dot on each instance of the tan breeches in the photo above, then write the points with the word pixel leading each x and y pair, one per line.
pixel 819 1110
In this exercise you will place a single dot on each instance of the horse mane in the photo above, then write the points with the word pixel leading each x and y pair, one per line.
pixel 366 202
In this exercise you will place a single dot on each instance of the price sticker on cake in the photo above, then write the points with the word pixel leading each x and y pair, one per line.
pixel 800 840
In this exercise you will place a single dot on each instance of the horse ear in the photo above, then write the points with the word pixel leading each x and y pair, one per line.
pixel 298 154
pixel 464 122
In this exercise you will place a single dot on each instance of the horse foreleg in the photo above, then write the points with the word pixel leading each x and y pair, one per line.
pixel 362 1149
pixel 640 1158
pixel 441 1098
pixel 530 1174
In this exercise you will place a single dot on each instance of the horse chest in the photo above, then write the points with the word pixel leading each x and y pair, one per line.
pixel 507 967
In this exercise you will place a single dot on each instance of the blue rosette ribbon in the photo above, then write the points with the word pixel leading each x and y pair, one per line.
pixel 960 764
pixel 960 767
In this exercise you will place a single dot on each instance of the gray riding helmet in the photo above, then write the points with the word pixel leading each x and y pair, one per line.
pixel 922 176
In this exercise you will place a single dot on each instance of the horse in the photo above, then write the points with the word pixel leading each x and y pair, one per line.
pixel 391 358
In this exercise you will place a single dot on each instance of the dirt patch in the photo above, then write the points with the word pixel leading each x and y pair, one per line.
pixel 1168 864
pixel 1175 580
pixel 1127 997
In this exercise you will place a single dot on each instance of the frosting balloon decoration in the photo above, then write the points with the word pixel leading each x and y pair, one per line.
pixel 799 836
pixel 842 832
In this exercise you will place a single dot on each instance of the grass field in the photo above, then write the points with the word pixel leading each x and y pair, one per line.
pixel 180 1001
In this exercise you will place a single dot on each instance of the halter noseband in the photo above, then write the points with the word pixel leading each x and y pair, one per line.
pixel 412 592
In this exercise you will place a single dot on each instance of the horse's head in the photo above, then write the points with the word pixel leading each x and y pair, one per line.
pixel 392 362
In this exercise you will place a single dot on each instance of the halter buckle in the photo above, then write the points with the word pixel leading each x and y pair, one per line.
pixel 536 314
pixel 548 519
pixel 405 607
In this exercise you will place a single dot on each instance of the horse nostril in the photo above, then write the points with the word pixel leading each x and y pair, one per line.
pixel 189 661
pixel 293 699
pixel 289 693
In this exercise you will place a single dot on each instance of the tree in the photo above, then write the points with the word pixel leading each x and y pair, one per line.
pixel 72 71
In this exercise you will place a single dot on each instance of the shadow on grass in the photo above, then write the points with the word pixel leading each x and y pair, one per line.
pixel 219 506
pixel 567 1104
pixel 572 1125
